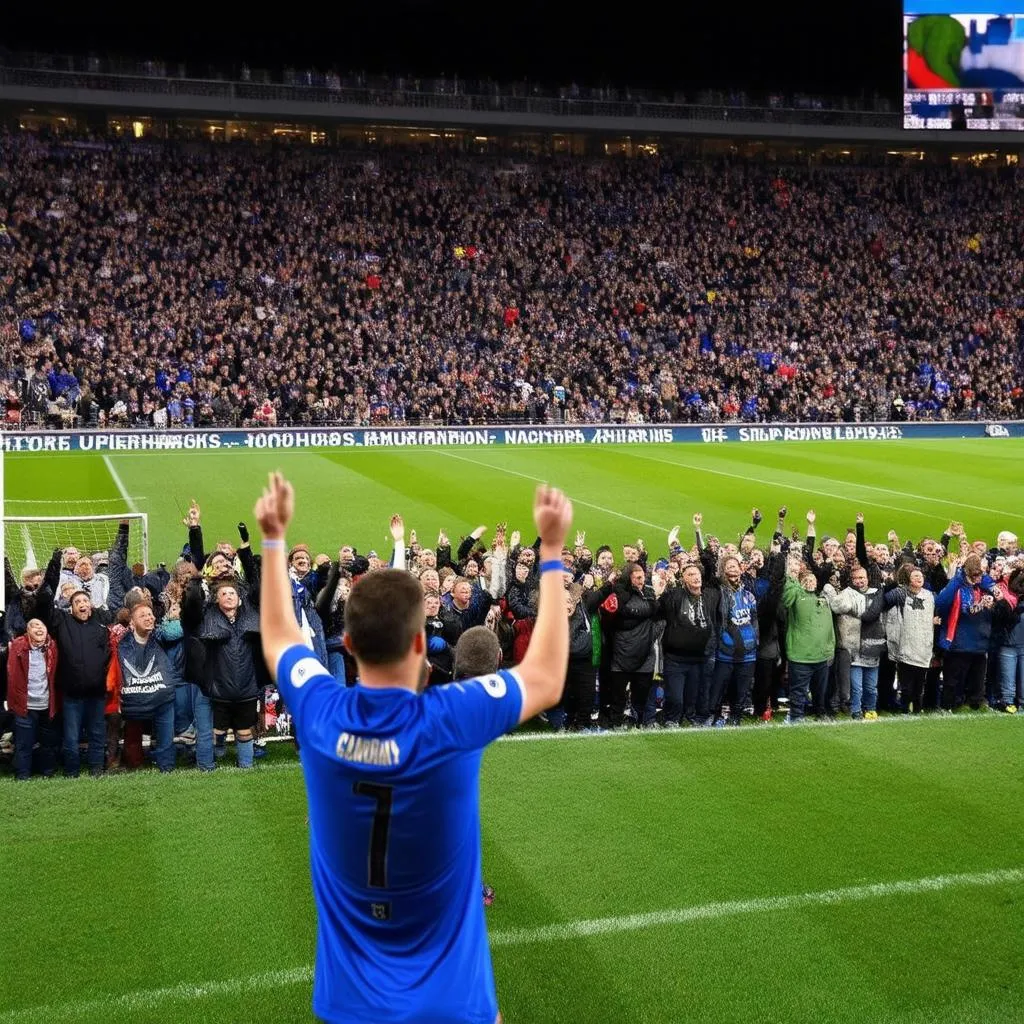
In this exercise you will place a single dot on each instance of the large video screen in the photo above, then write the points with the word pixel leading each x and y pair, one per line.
pixel 963 65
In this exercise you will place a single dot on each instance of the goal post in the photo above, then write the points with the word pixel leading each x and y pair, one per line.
pixel 29 541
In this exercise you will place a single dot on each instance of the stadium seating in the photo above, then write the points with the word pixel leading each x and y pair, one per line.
pixel 225 284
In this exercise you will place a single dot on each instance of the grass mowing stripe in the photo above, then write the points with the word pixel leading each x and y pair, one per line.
pixel 538 480
pixel 119 484
pixel 565 932
pixel 151 999
pixel 782 485
pixel 832 480
pixel 762 904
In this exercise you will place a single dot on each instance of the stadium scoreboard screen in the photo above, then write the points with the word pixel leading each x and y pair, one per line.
pixel 963 65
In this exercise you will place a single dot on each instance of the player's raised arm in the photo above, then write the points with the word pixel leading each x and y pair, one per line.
pixel 543 668
pixel 278 628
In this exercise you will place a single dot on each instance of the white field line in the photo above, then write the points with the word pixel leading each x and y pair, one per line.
pixel 152 999
pixel 829 494
pixel 30 554
pixel 539 480
pixel 119 484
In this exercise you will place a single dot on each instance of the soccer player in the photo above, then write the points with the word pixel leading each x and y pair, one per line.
pixel 392 781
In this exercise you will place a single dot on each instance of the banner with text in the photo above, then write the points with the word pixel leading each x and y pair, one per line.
pixel 106 441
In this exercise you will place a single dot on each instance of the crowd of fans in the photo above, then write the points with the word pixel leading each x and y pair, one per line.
pixel 212 285
pixel 100 654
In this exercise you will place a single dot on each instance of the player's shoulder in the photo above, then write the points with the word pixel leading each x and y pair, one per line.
pixel 496 685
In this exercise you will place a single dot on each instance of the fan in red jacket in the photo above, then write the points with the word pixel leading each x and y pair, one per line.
pixel 33 699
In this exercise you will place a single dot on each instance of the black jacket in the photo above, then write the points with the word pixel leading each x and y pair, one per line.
pixel 84 653
pixel 332 618
pixel 683 637
pixel 581 636
pixel 224 658
pixel 632 629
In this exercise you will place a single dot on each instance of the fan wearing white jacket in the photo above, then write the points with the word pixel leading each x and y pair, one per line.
pixel 910 632
pixel 861 633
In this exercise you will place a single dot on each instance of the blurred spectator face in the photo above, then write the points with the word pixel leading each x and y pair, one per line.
pixel 472 569
pixel 81 607
pixel 344 588
pixel 809 581
pixel 747 544
pixel 932 552
pixel 301 563
pixel 859 579
pixel 346 554
pixel 522 573
pixel 630 553
pixel 637 578
pixel 839 559
pixel 70 557
pixel 184 570
pixel 226 549
pixel 830 547
pixel 850 546
pixel 881 553
pixel 732 572
pixel 430 580
pixel 431 604
pixel 692 580
pixel 143 619
pixel 83 568
pixel 568 560
pixel 916 580
pixel 756 560
pixel 528 555
pixel 447 583
pixel 427 558
pixel 998 568
pixel 31 580
pixel 461 594
pixel 220 564
pixel 980 548
pixel 375 563
pixel 605 561
pixel 35 630
pixel 227 600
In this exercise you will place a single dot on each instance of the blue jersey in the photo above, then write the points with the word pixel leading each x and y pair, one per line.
pixel 392 780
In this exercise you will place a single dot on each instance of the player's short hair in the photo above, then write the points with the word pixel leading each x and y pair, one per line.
pixel 478 653
pixel 383 614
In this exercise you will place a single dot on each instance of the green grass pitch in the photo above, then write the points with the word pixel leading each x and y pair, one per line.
pixel 854 872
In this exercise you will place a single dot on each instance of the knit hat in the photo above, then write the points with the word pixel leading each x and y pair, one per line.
pixel 295 550
pixel 101 558
pixel 137 596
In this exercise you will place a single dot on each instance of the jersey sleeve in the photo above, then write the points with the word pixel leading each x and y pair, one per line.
pixel 469 714
pixel 302 680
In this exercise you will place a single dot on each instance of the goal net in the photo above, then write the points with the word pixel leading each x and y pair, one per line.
pixel 29 541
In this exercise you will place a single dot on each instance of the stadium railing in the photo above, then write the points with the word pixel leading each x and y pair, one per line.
pixel 405 98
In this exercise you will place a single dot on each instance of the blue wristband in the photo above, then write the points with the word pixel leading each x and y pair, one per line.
pixel 555 565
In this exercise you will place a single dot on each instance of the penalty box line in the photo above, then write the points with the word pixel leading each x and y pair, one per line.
pixel 149 999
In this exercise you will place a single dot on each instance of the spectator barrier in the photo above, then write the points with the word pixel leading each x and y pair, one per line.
pixel 406 437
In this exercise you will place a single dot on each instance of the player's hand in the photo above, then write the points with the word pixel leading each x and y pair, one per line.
pixel 275 508
pixel 552 514
pixel 397 528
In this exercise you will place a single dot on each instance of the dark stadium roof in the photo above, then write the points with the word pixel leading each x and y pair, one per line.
pixel 819 47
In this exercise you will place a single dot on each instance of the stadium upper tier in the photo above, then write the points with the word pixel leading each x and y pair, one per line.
pixel 239 284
